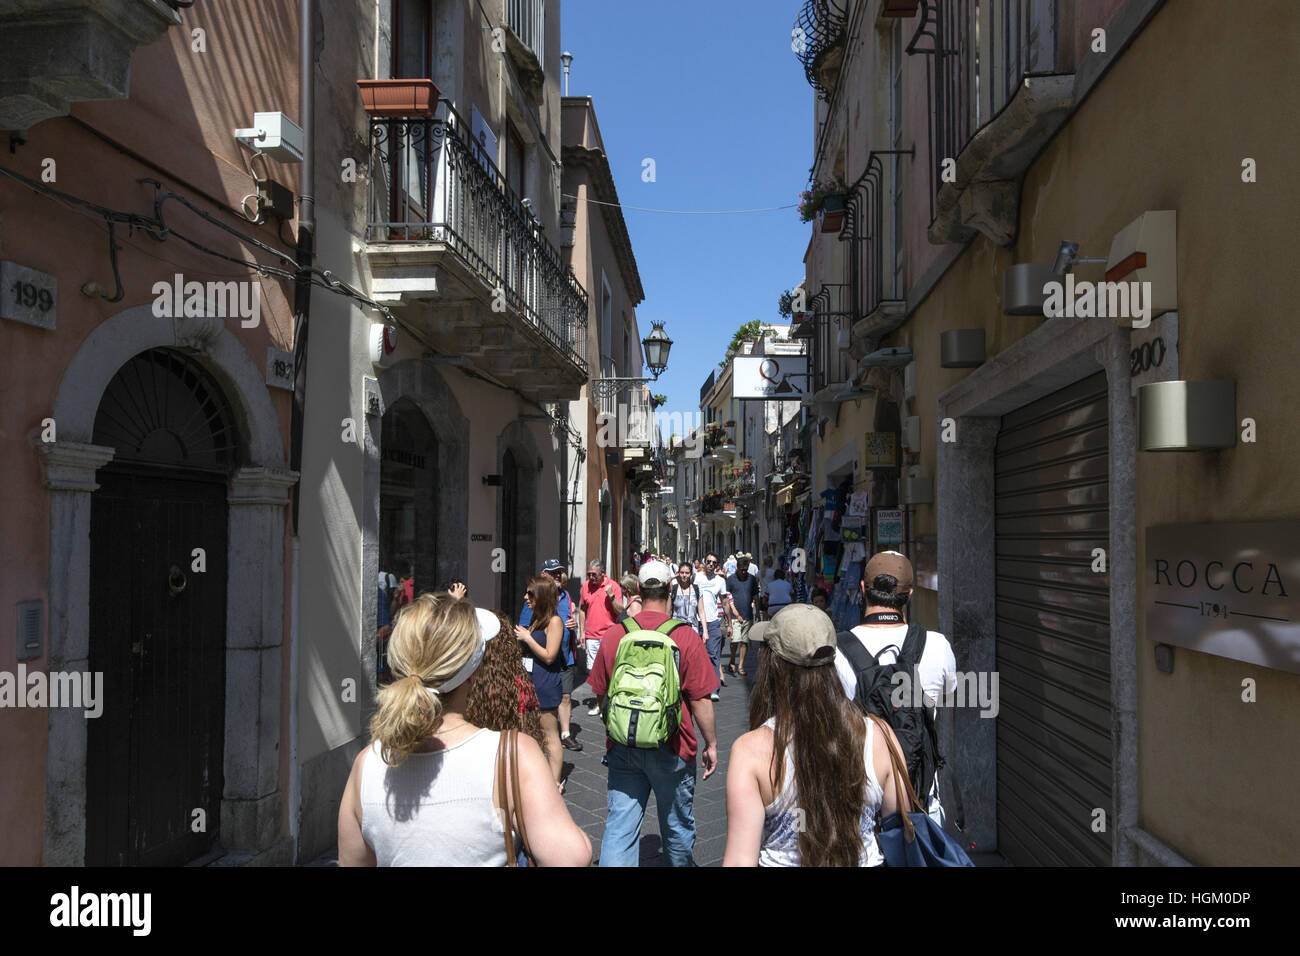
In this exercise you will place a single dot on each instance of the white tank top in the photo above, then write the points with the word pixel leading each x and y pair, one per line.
pixel 780 834
pixel 436 808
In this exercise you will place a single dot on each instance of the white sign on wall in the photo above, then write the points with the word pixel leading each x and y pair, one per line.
pixel 772 377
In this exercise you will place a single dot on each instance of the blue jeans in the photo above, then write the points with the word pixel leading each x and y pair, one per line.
pixel 713 644
pixel 633 774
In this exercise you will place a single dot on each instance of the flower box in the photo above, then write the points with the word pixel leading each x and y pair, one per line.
pixel 833 212
pixel 401 97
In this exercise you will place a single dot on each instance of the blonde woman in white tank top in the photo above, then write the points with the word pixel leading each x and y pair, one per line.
pixel 771 820
pixel 422 794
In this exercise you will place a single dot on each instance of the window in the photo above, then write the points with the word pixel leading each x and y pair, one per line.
pixel 515 157
pixel 413 38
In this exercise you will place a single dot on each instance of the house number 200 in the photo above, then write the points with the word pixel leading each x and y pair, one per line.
pixel 26 293
pixel 1144 357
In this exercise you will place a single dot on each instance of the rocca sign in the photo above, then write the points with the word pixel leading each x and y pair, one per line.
pixel 1226 589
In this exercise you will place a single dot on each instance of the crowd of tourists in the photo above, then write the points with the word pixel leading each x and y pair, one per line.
pixel 465 765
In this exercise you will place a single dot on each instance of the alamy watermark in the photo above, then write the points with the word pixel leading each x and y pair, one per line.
pixel 637 422
pixel 225 300
pixel 974 689
pixel 76 909
pixel 1085 300
pixel 78 690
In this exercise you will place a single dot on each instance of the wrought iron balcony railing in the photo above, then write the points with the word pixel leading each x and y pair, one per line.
pixel 818 31
pixel 430 182
pixel 830 310
pixel 970 79
pixel 527 18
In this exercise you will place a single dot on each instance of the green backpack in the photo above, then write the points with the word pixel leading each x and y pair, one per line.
pixel 643 707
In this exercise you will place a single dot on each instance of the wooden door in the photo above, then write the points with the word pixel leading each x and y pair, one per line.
pixel 157 633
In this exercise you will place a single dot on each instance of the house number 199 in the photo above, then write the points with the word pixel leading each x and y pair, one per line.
pixel 27 294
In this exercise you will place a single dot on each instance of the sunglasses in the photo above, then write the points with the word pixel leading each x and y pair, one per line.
pixel 529 594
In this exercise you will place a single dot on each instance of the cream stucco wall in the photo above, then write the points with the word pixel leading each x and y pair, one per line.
pixel 1170 131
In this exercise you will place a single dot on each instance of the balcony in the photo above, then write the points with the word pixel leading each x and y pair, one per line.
pixel 525 44
pixel 818 42
pixel 718 442
pixel 631 416
pixel 1001 88
pixel 444 227
pixel 80 50
pixel 876 305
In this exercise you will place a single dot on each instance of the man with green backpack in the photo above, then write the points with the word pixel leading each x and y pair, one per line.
pixel 654 676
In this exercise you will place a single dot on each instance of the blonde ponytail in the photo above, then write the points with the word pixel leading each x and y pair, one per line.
pixel 431 639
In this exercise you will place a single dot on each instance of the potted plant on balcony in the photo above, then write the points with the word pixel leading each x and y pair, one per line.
pixel 399 97
pixel 827 198
pixel 658 401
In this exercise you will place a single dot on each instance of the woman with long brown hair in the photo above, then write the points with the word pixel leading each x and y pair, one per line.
pixel 426 791
pixel 542 660
pixel 808 784
pixel 501 695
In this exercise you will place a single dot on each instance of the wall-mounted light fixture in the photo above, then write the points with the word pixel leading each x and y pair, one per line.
pixel 961 348
pixel 1187 416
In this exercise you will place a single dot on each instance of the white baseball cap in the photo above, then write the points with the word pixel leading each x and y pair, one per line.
pixel 655 573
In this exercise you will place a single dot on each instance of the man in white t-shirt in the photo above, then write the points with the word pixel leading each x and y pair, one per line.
pixel 712 586
pixel 886 590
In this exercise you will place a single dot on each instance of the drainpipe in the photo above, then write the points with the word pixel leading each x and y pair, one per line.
pixel 302 309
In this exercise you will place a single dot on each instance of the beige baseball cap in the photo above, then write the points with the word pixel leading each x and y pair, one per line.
pixel 803 635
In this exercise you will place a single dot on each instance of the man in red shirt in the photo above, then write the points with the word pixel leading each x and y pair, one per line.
pixel 669 770
pixel 596 615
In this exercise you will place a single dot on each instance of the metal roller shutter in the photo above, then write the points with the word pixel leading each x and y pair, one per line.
pixel 1053 630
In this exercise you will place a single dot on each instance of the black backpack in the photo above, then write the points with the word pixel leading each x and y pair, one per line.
pixel 912 725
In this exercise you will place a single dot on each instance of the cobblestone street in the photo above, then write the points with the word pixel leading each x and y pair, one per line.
pixel 587 778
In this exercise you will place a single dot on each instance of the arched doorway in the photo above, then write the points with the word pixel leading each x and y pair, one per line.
pixel 408 495
pixel 158 565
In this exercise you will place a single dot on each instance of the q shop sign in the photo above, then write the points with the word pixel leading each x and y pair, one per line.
pixel 772 377
pixel 1226 589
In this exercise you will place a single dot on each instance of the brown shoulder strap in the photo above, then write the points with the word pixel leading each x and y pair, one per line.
pixel 907 801
pixel 502 794
pixel 518 798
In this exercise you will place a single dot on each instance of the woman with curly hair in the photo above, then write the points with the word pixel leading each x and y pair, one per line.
pixel 501 695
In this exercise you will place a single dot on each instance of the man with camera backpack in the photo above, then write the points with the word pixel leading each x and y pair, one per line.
pixel 871 658
pixel 654 676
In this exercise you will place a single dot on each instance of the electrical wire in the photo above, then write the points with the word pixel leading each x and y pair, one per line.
pixel 686 212
pixel 157 228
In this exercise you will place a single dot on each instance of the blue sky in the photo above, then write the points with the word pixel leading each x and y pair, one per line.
pixel 712 92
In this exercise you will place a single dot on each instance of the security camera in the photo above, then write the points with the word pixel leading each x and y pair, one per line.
pixel 1065 257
